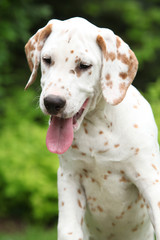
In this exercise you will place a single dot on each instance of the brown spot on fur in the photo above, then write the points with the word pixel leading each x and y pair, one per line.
pixel 66 60
pixel 86 131
pixel 116 145
pixel 100 208
pixel 83 154
pixel 135 126
pixel 70 233
pixel 79 203
pixel 135 229
pixel 75 146
pixel 79 191
pixel 105 177
pixel 122 87
pixel 154 166
pixel 62 204
pixel 135 106
pixel 123 75
pixel 112 56
pixel 118 42
pixel 100 132
pixel 93 180
pixel 123 179
pixel 72 51
pixel 108 77
pixel 129 207
pixel 137 151
pixel 81 221
pixel 138 175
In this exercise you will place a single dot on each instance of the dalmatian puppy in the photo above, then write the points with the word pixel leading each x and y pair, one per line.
pixel 103 130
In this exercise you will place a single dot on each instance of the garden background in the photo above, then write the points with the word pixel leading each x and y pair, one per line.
pixel 28 172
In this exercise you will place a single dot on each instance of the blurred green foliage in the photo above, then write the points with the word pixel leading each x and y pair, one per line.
pixel 28 188
pixel 28 172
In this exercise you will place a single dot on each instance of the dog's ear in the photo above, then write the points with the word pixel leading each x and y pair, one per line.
pixel 33 50
pixel 119 66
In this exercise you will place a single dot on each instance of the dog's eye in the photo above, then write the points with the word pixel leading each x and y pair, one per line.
pixel 84 66
pixel 47 60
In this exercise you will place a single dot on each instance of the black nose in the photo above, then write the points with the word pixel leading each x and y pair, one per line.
pixel 54 104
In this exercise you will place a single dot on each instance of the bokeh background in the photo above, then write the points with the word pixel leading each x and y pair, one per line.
pixel 28 172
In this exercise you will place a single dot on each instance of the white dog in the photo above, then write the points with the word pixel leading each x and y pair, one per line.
pixel 103 129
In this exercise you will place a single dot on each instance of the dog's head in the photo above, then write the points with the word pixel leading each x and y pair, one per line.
pixel 79 61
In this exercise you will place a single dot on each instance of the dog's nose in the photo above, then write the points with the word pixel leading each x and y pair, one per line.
pixel 54 104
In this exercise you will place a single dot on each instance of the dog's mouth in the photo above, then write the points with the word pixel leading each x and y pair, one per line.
pixel 60 132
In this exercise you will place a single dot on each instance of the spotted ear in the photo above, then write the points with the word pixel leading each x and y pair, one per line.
pixel 119 66
pixel 33 50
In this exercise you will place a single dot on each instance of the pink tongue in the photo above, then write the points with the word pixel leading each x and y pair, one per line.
pixel 59 135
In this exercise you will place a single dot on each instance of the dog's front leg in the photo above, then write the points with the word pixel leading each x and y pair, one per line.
pixel 72 206
pixel 145 173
